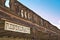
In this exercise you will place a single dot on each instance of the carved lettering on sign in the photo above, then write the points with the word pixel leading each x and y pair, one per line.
pixel 17 28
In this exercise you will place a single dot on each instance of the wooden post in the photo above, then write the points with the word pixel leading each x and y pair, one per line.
pixel 2 2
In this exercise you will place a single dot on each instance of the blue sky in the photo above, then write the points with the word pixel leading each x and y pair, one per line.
pixel 47 9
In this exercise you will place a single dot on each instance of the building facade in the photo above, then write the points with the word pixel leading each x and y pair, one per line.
pixel 17 22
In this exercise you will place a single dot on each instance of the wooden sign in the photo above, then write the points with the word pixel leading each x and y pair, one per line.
pixel 17 28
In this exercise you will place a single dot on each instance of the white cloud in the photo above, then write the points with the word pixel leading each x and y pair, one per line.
pixel 58 26
pixel 59 22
